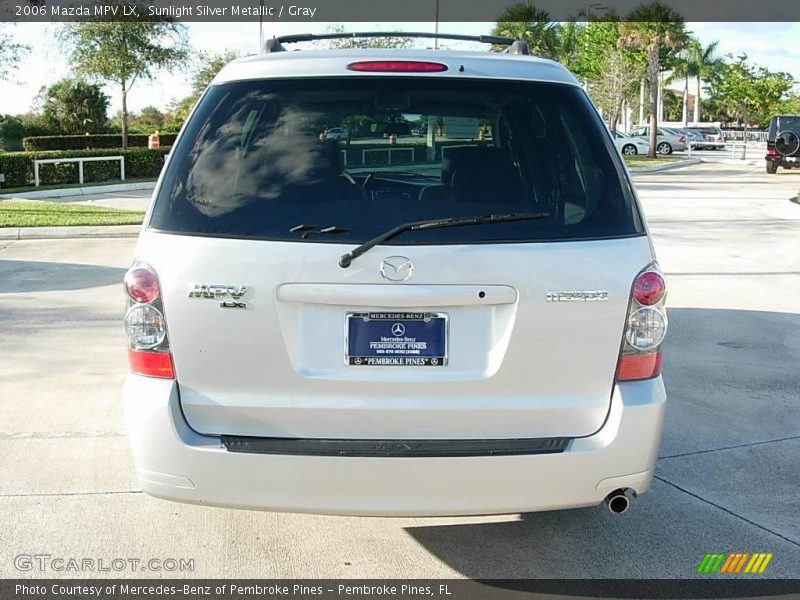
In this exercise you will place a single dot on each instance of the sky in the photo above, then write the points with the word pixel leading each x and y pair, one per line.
pixel 772 45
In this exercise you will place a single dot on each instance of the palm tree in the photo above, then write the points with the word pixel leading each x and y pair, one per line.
pixel 526 22
pixel 653 27
pixel 685 68
pixel 705 65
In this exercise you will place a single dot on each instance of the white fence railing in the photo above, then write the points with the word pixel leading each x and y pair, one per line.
pixel 390 151
pixel 80 161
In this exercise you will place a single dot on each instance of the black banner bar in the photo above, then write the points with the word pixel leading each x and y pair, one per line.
pixel 374 11
pixel 395 589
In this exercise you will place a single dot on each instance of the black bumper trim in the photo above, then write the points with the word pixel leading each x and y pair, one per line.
pixel 393 448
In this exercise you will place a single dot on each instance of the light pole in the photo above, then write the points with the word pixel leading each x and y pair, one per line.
pixel 435 24
pixel 599 7
pixel 261 27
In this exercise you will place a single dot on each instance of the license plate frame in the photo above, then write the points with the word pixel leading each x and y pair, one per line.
pixel 390 349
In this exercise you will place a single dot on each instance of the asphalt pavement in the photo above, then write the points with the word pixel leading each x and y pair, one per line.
pixel 727 478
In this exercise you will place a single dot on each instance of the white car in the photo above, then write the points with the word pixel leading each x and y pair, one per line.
pixel 338 133
pixel 629 145
pixel 436 328
pixel 667 141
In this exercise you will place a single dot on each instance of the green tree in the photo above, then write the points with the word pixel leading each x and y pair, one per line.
pixel 148 120
pixel 209 66
pixel 205 71
pixel 684 69
pixel 790 105
pixel 657 29
pixel 124 52
pixel 672 105
pixel 749 93
pixel 704 66
pixel 74 106
pixel 11 54
pixel 618 82
pixel 611 72
pixel 377 42
pixel 526 22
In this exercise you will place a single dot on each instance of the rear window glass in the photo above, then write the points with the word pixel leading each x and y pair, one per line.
pixel 345 159
pixel 705 130
pixel 784 123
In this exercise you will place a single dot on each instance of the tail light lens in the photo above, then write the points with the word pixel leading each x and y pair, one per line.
pixel 683 139
pixel 645 327
pixel 649 288
pixel 397 66
pixel 141 284
pixel 145 326
pixel 772 152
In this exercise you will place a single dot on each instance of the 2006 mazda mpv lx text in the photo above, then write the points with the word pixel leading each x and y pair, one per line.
pixel 455 309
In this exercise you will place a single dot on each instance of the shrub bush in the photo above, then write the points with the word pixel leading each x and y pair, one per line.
pixel 82 142
pixel 140 163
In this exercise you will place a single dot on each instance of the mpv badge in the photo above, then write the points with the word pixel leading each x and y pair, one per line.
pixel 234 293
pixel 396 268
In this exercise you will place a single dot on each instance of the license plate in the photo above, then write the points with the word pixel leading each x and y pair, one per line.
pixel 396 339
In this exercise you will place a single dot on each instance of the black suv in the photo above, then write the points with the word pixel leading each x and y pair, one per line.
pixel 783 143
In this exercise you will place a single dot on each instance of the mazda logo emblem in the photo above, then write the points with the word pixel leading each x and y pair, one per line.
pixel 396 268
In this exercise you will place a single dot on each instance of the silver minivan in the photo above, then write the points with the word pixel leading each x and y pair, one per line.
pixel 467 322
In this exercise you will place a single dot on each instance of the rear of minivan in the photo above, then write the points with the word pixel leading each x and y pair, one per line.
pixel 497 352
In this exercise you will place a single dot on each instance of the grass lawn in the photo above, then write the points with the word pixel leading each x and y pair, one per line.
pixel 61 186
pixel 638 160
pixel 56 214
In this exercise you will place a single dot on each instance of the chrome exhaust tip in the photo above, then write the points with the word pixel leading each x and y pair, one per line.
pixel 617 502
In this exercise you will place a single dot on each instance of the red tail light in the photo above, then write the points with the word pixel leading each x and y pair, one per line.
pixel 141 284
pixel 645 327
pixel 397 66
pixel 145 325
pixel 683 139
pixel 638 366
pixel 152 364
pixel 772 152
pixel 649 288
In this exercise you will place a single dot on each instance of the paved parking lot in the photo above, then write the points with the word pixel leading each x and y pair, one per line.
pixel 727 477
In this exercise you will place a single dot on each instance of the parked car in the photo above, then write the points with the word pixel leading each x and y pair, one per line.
pixel 692 137
pixel 783 143
pixel 361 338
pixel 695 140
pixel 629 145
pixel 338 133
pixel 712 137
pixel 667 142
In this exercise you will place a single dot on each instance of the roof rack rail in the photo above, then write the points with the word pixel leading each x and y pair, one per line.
pixel 514 46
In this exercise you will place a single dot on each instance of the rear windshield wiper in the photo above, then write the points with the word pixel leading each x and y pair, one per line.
pixel 346 259
pixel 307 230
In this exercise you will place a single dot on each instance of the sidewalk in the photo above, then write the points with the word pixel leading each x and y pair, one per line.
pixel 91 190
pixel 688 162
pixel 61 233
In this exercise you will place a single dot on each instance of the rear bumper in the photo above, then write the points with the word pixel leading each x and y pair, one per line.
pixel 781 161
pixel 174 462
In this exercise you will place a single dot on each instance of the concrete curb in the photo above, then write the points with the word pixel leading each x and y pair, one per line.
pixel 82 191
pixel 63 233
pixel 668 167
pixel 750 162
